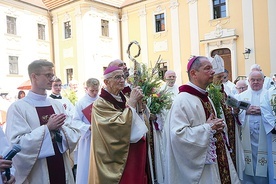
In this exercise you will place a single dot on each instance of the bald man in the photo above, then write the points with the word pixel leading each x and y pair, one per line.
pixel 267 80
pixel 170 86
pixel 241 86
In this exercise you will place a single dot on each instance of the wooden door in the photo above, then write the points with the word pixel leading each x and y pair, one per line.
pixel 226 56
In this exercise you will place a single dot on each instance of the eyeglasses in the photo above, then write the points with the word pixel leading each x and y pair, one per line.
pixel 49 76
pixel 121 64
pixel 118 77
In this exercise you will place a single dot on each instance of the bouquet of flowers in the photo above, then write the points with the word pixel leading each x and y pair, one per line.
pixel 150 81
pixel 159 101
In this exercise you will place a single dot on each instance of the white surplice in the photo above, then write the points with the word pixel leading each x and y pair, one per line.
pixel 253 133
pixel 83 152
pixel 159 135
pixel 23 127
pixel 187 144
pixel 174 89
pixel 70 110
pixel 269 120
pixel 69 107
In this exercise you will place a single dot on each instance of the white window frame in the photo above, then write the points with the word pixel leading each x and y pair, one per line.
pixel 11 26
pixel 155 14
pixel 41 31
pixel 13 65
pixel 106 27
pixel 157 11
pixel 212 10
pixel 64 29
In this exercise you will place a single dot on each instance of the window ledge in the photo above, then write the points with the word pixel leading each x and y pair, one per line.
pixel 42 41
pixel 12 36
pixel 14 75
pixel 223 19
pixel 105 38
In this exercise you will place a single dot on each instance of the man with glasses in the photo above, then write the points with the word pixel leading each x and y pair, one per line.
pixel 119 137
pixel 40 126
pixel 122 65
pixel 241 86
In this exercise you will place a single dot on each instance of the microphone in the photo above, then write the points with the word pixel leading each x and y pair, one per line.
pixel 15 149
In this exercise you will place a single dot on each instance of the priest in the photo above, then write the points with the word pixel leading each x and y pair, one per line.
pixel 82 116
pixel 254 132
pixel 40 126
pixel 119 151
pixel 195 148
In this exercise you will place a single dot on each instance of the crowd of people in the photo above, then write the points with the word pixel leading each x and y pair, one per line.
pixel 108 134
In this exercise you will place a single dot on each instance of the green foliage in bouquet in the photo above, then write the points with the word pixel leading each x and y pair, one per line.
pixel 71 95
pixel 147 79
pixel 214 92
pixel 159 101
pixel 150 82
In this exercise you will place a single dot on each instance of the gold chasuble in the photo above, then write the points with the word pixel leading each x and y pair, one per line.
pixel 220 145
pixel 55 163
pixel 113 159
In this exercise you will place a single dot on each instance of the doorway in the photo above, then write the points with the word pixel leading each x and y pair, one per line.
pixel 226 56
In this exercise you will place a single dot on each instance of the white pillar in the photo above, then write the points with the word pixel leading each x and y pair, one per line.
pixel 176 42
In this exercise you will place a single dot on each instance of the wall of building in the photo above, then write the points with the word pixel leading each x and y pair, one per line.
pixel 247 25
pixel 25 44
pixel 190 30
pixel 87 51
pixel 141 27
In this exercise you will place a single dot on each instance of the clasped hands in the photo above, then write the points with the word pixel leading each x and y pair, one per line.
pixel 216 123
pixel 56 121
pixel 253 110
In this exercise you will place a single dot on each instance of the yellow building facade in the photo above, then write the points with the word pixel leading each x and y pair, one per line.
pixel 192 29
pixel 188 27
pixel 83 36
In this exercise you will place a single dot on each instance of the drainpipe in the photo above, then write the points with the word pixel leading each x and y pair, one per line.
pixel 52 37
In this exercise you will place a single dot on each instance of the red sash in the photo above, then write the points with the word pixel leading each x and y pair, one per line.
pixel 55 163
pixel 87 112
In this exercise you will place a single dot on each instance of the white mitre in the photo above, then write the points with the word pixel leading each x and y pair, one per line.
pixel 218 64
